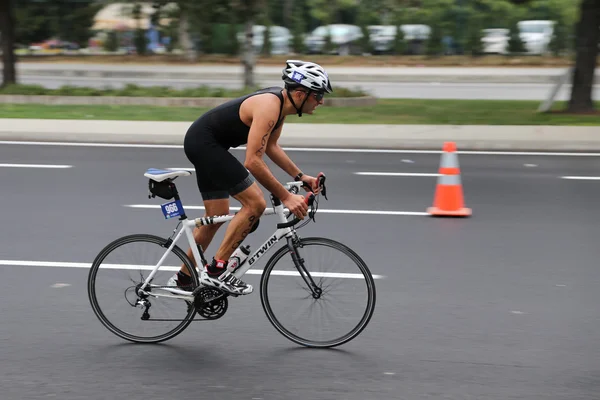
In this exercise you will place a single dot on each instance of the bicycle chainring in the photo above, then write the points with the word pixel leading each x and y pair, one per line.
pixel 210 303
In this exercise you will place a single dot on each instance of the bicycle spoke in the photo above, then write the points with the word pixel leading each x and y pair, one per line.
pixel 322 319
pixel 129 257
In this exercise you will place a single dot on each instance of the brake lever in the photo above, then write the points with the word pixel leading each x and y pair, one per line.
pixel 321 182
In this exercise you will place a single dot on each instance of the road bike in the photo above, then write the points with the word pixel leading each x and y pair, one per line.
pixel 306 275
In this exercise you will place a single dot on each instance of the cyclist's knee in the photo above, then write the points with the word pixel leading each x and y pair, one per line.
pixel 252 199
pixel 256 205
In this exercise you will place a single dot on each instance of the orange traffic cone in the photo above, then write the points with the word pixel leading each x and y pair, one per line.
pixel 448 200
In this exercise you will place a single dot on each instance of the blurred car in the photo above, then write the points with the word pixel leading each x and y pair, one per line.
pixel 54 46
pixel 343 37
pixel 382 37
pixel 280 38
pixel 495 41
pixel 536 35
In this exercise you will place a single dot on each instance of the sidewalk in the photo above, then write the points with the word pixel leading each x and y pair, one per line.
pixel 467 137
pixel 265 73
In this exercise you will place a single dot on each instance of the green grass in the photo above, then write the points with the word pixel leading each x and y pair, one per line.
pixel 131 90
pixel 435 112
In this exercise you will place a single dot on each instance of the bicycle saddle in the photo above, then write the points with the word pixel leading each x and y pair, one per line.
pixel 160 175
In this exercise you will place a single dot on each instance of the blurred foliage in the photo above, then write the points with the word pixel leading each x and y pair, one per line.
pixel 70 20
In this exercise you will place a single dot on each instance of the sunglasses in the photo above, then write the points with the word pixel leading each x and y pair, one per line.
pixel 318 95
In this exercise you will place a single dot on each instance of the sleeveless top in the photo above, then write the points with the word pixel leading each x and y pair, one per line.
pixel 225 125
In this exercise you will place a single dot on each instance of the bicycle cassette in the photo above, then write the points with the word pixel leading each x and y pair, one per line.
pixel 210 303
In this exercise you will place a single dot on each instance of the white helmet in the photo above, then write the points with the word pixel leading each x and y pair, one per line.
pixel 307 74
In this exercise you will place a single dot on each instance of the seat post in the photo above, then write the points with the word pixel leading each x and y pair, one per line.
pixel 177 198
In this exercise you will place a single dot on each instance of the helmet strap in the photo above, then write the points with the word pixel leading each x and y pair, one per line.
pixel 298 110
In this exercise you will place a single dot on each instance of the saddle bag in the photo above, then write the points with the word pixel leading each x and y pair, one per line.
pixel 165 189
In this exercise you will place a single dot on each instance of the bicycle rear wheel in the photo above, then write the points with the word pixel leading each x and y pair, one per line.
pixel 119 269
pixel 347 292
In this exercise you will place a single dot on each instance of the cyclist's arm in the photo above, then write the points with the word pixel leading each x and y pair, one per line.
pixel 279 157
pixel 258 138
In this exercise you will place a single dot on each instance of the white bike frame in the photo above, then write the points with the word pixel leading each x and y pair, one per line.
pixel 187 227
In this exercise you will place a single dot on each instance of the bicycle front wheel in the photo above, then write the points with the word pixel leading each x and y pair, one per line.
pixel 318 292
pixel 116 273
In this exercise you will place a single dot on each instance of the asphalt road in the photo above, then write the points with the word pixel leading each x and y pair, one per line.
pixel 385 90
pixel 499 306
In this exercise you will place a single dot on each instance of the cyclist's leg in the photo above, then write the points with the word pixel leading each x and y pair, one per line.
pixel 253 205
pixel 216 274
pixel 203 235
pixel 204 154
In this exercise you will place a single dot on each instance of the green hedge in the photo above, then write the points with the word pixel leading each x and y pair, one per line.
pixel 139 91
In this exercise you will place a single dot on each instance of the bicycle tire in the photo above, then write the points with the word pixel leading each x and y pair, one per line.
pixel 370 284
pixel 94 301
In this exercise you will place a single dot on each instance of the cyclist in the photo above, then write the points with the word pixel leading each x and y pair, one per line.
pixel 255 120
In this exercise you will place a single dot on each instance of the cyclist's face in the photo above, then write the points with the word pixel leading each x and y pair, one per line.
pixel 314 100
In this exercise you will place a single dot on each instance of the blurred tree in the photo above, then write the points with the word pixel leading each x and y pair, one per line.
pixel 515 44
pixel 267 48
pixel 435 45
pixel 68 20
pixel 248 10
pixel 474 45
pixel 587 40
pixel 7 41
pixel 399 42
pixel 139 37
pixel 233 45
pixel 298 28
pixel 558 44
pixel 330 11
pixel 112 42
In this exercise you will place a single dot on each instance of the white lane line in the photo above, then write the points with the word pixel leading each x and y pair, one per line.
pixel 582 178
pixel 321 210
pixel 316 149
pixel 82 144
pixel 34 166
pixel 54 264
pixel 394 174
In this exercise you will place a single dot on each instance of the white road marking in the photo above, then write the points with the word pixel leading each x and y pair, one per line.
pixel 60 285
pixel 582 178
pixel 394 174
pixel 321 210
pixel 81 144
pixel 530 165
pixel 55 264
pixel 34 166
pixel 308 149
pixel 356 173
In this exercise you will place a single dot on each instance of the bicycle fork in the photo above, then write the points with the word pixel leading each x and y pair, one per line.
pixel 293 245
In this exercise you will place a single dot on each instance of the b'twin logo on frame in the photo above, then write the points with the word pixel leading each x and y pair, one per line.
pixel 262 250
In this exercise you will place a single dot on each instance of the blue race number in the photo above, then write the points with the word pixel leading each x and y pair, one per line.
pixel 172 209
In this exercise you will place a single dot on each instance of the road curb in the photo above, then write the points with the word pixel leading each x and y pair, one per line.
pixel 426 137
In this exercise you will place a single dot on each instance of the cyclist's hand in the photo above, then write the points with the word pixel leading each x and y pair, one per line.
pixel 312 182
pixel 297 206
